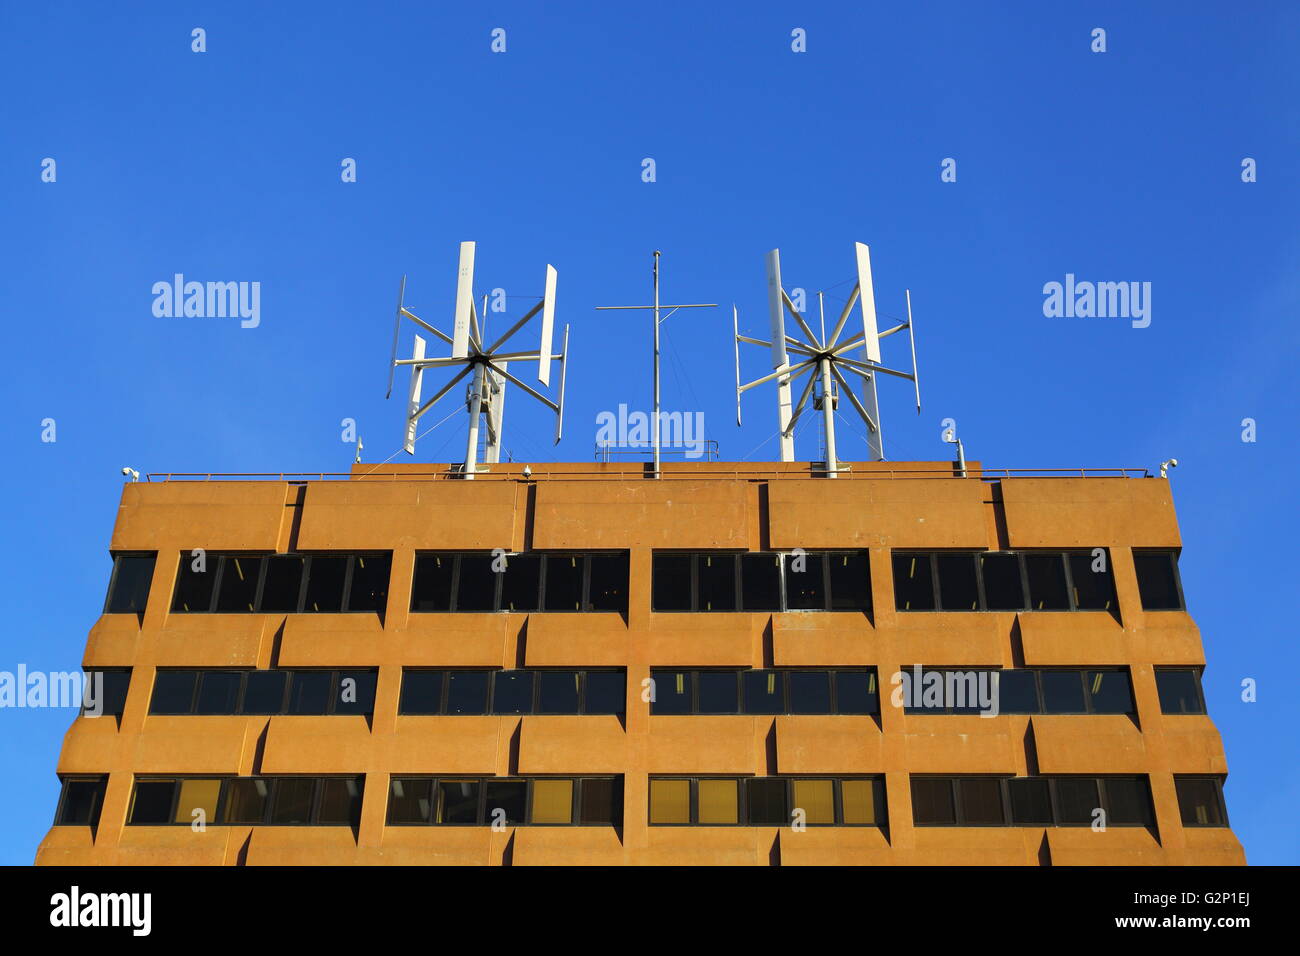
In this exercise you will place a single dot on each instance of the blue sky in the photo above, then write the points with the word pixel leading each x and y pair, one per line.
pixel 225 166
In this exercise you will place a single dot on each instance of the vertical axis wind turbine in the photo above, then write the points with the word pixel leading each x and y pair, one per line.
pixel 488 366
pixel 828 358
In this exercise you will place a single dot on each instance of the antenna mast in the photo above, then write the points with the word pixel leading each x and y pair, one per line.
pixel 824 360
pixel 485 363
pixel 654 426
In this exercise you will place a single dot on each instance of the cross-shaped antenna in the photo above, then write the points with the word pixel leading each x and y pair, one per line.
pixel 489 366
pixel 654 428
pixel 825 355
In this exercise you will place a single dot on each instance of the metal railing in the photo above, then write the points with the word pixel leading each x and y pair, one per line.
pixel 631 470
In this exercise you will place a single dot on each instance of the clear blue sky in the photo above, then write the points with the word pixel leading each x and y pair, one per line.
pixel 225 166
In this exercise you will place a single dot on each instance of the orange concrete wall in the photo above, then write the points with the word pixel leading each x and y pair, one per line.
pixel 876 507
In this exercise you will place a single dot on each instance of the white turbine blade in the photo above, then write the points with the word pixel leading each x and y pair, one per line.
pixel 776 308
pixel 735 329
pixel 867 294
pixel 548 324
pixel 496 415
pixel 564 364
pixel 916 378
pixel 413 405
pixel 397 326
pixel 464 301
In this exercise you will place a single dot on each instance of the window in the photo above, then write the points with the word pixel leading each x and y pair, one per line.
pixel 1158 583
pixel 512 692
pixel 1003 581
pixel 766 801
pixel 1200 801
pixel 758 582
pixel 483 582
pixel 1030 801
pixel 230 692
pixel 764 692
pixel 108 688
pixel 275 801
pixel 1180 690
pixel 281 583
pixel 516 801
pixel 1019 691
pixel 80 801
pixel 128 586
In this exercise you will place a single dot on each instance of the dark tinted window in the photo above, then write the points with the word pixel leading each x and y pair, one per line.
pixel 194 588
pixel 606 692
pixel 292 800
pixel 81 802
pixel 173 692
pixel 671 575
pixel 280 592
pixel 717 582
pixel 767 801
pixel 850 581
pixel 608 586
pixel 325 576
pixel 512 692
pixel 760 579
pixel 309 693
pixel 1030 803
pixel 1076 799
pixel 932 801
pixel 111 690
pixel 672 692
pixel 507 801
pixel 218 692
pixel 476 589
pixel 340 802
pixel 719 692
pixel 457 801
pixel 1047 591
pixel 1062 692
pixel 958 587
pixel 421 692
pixel 153 802
pixel 557 692
pixel 1157 580
pixel 601 802
pixel 1200 802
pixel 981 801
pixel 1003 590
pixel 521 583
pixel 246 800
pixel 129 585
pixel 810 692
pixel 264 692
pixel 1180 691
pixel 431 588
pixel 1018 692
pixel 129 590
pixel 913 585
pixel 238 590
pixel 410 801
pixel 855 692
pixel 805 590
pixel 764 692
pixel 1128 801
pixel 1094 590
pixel 467 692
pixel 564 582
pixel 369 588
pixel 1110 691
pixel 355 692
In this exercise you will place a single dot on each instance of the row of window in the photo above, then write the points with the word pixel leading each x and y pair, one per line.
pixel 674 801
pixel 703 581
pixel 467 691
pixel 514 801
pixel 1059 801
pixel 728 581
